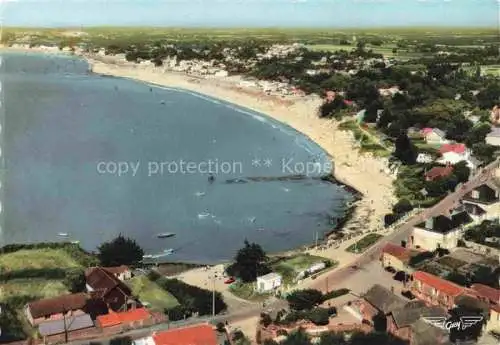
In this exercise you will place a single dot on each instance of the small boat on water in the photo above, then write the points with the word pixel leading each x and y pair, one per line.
pixel 63 234
pixel 168 251
pixel 75 242
pixel 147 256
pixel 165 235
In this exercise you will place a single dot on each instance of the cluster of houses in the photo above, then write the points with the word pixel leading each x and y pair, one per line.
pixel 107 306
pixel 440 293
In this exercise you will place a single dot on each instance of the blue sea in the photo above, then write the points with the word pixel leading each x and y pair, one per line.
pixel 94 156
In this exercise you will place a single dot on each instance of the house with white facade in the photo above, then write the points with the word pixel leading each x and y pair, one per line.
pixel 424 158
pixel 493 137
pixel 268 282
pixel 440 232
pixel 434 136
pixel 455 153
pixel 483 202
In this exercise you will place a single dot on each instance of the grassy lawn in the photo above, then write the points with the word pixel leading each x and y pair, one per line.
pixel 290 267
pixel 364 243
pixel 37 259
pixel 367 143
pixel 150 292
pixel 36 288
pixel 246 291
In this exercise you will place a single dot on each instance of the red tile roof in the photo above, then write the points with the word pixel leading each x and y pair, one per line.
pixel 493 295
pixel 426 131
pixel 437 283
pixel 396 251
pixel 438 172
pixel 138 314
pixel 457 148
pixel 108 320
pixel 195 335
pixel 113 319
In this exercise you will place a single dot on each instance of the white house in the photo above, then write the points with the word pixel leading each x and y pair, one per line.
pixel 493 138
pixel 454 153
pixel 434 136
pixel 268 282
pixel 122 272
pixel 440 232
pixel 144 341
pixel 424 158
pixel 316 267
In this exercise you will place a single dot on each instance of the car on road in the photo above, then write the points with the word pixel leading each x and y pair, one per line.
pixel 230 280
pixel 390 269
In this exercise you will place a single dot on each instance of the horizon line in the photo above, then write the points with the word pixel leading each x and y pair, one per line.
pixel 396 27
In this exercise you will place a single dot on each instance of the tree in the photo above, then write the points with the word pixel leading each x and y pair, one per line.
pixel 319 316
pixel 265 319
pixel 250 261
pixel 477 134
pixel 484 152
pixel 120 251
pixel 298 337
pixel 75 280
pixel 304 299
pixel 220 327
pixel 121 341
pixel 332 338
pixel 402 206
pixel 461 172
pixel 405 151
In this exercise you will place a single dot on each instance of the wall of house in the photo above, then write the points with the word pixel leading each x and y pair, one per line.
pixel 493 323
pixel 390 260
pixel 403 332
pixel 430 240
pixel 495 141
pixel 433 138
pixel 58 316
pixel 453 157
pixel 431 296
pixel 125 275
pixel 268 285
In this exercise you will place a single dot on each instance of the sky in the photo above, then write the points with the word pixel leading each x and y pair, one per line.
pixel 251 13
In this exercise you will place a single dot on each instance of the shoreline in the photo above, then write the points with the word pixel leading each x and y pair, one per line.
pixel 361 174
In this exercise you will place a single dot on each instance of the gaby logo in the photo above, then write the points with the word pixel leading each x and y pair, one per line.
pixel 464 323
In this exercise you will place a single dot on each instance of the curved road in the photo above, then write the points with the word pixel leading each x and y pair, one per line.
pixel 401 233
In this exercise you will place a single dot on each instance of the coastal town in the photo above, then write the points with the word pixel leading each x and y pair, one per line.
pixel 414 129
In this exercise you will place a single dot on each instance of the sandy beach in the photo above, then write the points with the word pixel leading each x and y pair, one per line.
pixel 360 171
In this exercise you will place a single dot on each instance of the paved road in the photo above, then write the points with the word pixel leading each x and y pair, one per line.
pixel 371 254
pixel 403 232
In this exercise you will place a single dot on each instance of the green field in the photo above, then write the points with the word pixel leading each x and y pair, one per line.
pixel 37 259
pixel 37 288
pixel 32 274
pixel 150 293
pixel 290 267
pixel 322 38
pixel 365 138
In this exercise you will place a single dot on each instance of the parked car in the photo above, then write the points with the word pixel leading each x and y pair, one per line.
pixel 408 295
pixel 229 281
pixel 390 269
pixel 401 276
